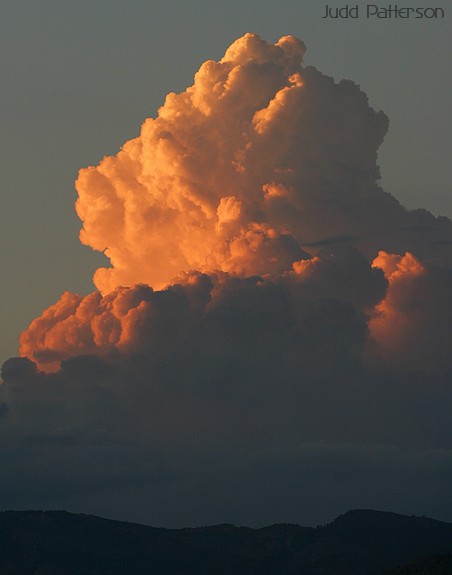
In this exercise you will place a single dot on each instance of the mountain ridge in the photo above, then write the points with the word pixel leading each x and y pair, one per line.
pixel 358 542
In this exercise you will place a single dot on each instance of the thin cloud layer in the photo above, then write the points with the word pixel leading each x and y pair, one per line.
pixel 272 322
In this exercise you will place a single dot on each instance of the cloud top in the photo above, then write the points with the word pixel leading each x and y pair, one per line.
pixel 236 173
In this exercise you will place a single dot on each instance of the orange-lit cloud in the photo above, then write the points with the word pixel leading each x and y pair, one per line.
pixel 262 168
pixel 238 170
pixel 260 157
pixel 125 320
pixel 412 325
pixel 267 302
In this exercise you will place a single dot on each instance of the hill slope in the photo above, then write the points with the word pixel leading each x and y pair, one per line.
pixel 359 542
pixel 436 565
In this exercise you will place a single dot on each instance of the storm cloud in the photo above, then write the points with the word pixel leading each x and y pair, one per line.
pixel 272 339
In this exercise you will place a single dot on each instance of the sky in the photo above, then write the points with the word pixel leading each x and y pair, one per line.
pixel 288 363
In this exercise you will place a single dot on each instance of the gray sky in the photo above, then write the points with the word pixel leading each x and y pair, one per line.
pixel 78 78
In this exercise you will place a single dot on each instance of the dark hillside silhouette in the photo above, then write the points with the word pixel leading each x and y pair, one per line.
pixel 357 543
pixel 436 565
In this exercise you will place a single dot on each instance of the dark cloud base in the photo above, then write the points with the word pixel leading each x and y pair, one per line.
pixel 264 413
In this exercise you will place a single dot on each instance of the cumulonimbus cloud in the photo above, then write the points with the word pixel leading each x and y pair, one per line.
pixel 259 157
pixel 265 296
